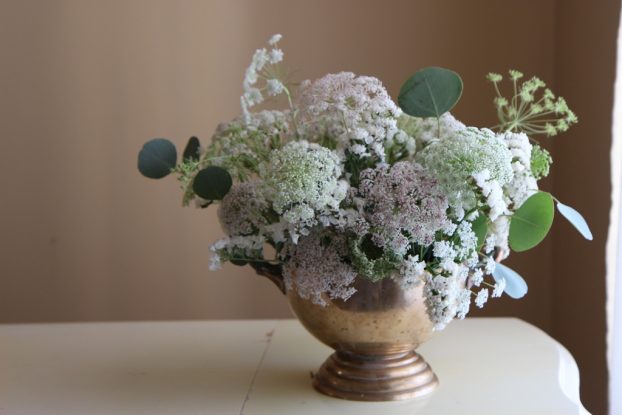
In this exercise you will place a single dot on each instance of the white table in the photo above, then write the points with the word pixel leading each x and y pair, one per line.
pixel 262 367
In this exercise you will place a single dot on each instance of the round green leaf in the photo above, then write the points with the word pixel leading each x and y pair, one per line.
pixel 191 152
pixel 480 227
pixel 157 158
pixel 430 92
pixel 531 222
pixel 212 183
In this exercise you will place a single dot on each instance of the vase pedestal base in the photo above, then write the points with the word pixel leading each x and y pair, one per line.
pixel 392 377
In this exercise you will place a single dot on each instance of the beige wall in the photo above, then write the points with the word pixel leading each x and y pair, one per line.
pixel 584 73
pixel 84 83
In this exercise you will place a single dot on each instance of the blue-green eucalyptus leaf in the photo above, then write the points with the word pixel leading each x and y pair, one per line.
pixel 212 183
pixel 430 92
pixel 575 219
pixel 515 285
pixel 157 158
pixel 191 152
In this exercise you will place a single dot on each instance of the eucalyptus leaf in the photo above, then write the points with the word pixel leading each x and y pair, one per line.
pixel 576 219
pixel 430 92
pixel 515 285
pixel 531 222
pixel 191 152
pixel 480 227
pixel 212 183
pixel 157 158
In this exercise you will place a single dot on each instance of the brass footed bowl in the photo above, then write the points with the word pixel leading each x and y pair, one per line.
pixel 374 334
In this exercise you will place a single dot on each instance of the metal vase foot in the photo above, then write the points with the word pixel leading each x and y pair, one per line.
pixel 375 378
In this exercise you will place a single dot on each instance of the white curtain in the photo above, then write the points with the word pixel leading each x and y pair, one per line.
pixel 614 251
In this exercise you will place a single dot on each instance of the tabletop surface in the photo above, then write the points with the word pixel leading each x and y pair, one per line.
pixel 263 367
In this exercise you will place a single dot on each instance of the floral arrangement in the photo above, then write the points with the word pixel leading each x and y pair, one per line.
pixel 346 183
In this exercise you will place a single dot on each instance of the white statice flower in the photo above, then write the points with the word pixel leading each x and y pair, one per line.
pixel 348 110
pixel 426 130
pixel 499 288
pixel 240 146
pixel 403 205
pixel 456 158
pixel 302 182
pixel 412 272
pixel 236 248
pixel 315 269
pixel 241 211
pixel 523 184
pixel 481 298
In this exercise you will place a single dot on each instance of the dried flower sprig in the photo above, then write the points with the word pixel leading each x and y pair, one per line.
pixel 524 112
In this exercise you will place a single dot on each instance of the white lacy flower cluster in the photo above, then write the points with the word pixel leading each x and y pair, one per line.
pixel 342 185
pixel 403 205
pixel 316 269
pixel 302 181
pixel 429 129
pixel 241 145
pixel 236 248
pixel 466 160
pixel 260 69
pixel 242 211
pixel 353 112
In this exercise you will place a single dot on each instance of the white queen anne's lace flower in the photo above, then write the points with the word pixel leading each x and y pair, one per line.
pixel 235 248
pixel 316 269
pixel 275 39
pixel 427 130
pixel 241 210
pixel 353 111
pixel 274 87
pixel 240 146
pixel 481 298
pixel 456 158
pixel 446 297
pixel 403 205
pixel 302 181
pixel 523 184
pixel 499 288
pixel 258 69
pixel 412 272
